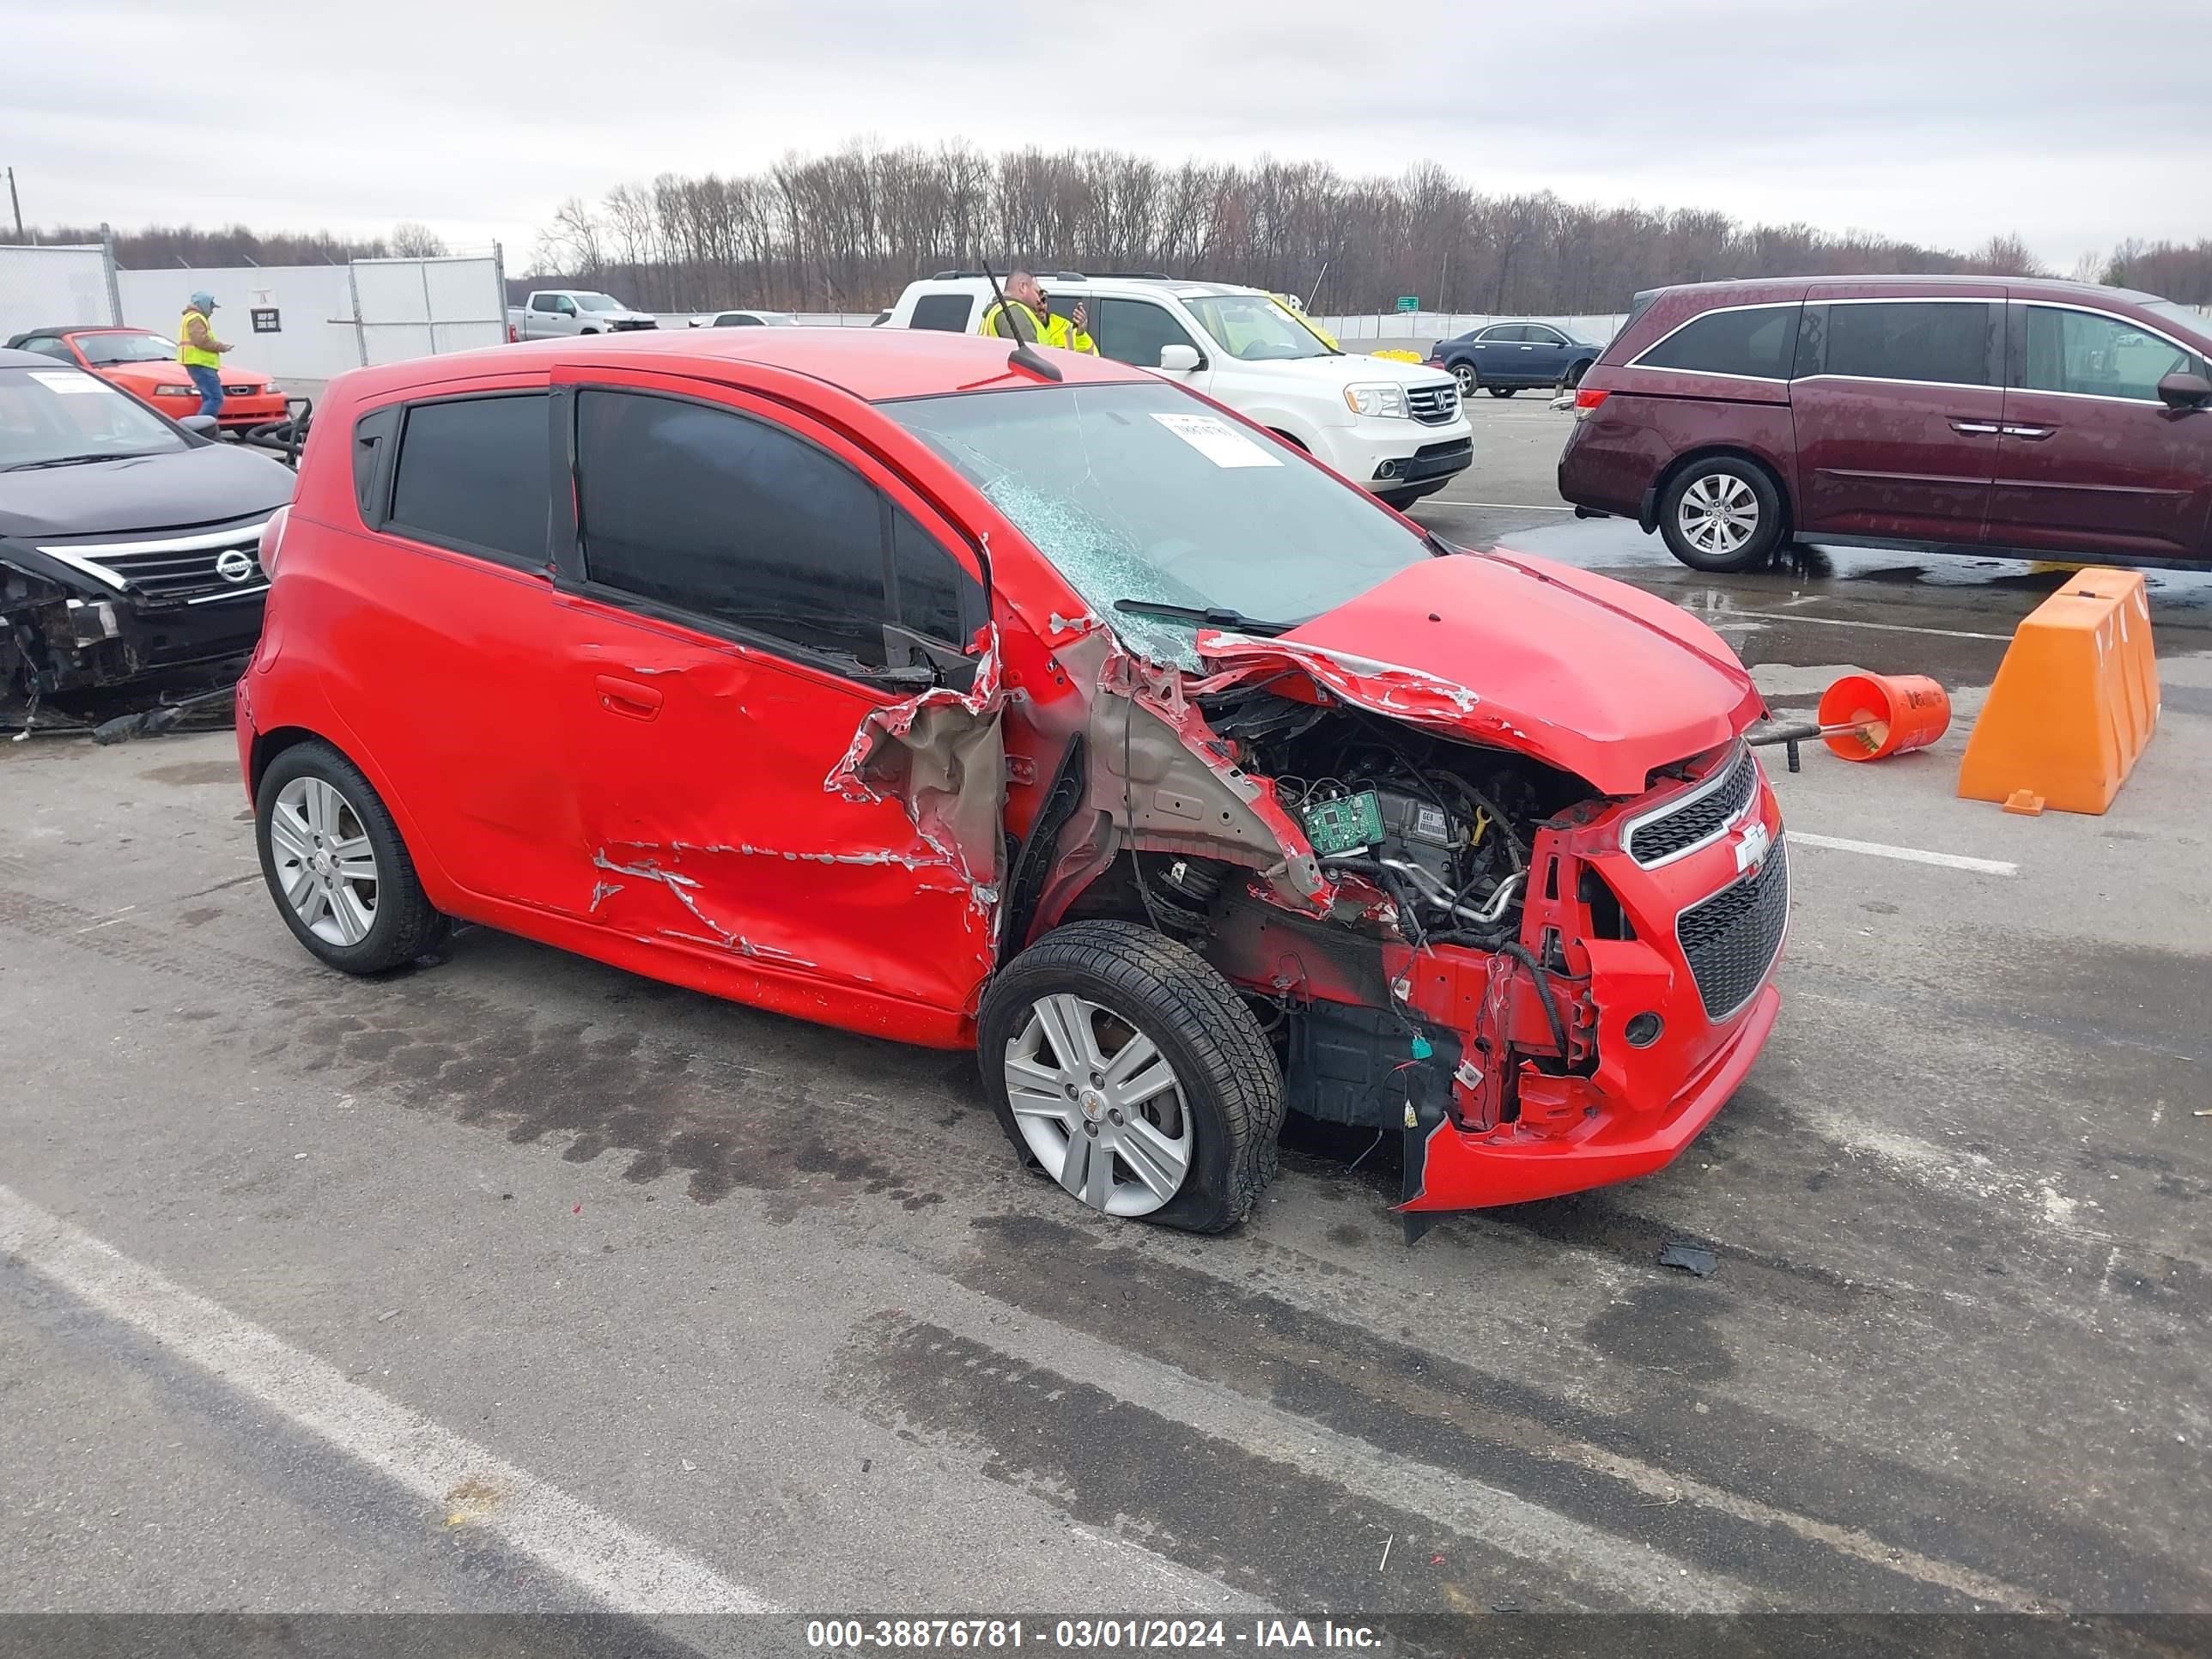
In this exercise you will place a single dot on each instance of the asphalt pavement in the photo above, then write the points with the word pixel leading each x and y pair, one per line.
pixel 514 1283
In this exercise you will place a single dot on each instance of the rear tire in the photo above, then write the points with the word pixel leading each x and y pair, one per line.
pixel 1502 391
pixel 1722 513
pixel 1201 1103
pixel 335 864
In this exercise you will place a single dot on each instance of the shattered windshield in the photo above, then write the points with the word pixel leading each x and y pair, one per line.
pixel 1142 492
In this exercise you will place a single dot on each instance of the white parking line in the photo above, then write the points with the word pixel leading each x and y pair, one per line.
pixel 1882 849
pixel 621 1567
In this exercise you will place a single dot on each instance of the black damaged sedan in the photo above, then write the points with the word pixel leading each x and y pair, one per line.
pixel 130 545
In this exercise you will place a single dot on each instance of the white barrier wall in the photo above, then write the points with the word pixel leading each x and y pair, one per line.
pixel 52 288
pixel 422 307
pixel 315 338
pixel 331 318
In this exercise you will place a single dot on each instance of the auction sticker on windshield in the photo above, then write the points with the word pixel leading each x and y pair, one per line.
pixel 71 386
pixel 1216 441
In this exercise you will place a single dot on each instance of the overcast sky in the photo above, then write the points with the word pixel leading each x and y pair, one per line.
pixel 1943 121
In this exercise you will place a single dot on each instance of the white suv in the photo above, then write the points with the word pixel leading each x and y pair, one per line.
pixel 1394 427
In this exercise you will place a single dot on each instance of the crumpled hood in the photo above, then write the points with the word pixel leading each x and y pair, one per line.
pixel 1577 670
pixel 207 484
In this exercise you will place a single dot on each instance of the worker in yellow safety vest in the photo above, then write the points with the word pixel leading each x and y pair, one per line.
pixel 200 352
pixel 1026 315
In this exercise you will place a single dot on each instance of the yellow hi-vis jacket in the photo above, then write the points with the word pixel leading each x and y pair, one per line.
pixel 190 355
pixel 1056 332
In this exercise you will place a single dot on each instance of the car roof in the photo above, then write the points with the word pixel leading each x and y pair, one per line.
pixel 1183 287
pixel 873 364
pixel 2047 287
pixel 67 329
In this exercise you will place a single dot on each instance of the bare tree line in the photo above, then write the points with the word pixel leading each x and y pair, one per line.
pixel 162 246
pixel 846 230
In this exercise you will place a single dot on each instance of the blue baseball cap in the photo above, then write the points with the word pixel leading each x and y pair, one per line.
pixel 204 300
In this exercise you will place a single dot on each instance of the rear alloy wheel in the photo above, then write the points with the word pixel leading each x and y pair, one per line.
pixel 1721 515
pixel 1124 1068
pixel 335 864
pixel 1502 391
pixel 1464 374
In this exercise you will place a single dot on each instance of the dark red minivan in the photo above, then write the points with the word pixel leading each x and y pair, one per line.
pixel 1993 414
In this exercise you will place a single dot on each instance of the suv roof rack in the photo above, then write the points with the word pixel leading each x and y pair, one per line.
pixel 970 276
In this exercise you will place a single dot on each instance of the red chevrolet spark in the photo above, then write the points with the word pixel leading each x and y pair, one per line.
pixel 1042 706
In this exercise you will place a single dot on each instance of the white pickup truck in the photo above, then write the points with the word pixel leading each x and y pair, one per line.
pixel 552 311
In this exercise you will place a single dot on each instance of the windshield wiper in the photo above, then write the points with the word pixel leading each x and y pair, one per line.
pixel 63 460
pixel 1206 616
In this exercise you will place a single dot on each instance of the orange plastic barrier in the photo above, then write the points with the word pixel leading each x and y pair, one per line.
pixel 2075 702
pixel 1890 714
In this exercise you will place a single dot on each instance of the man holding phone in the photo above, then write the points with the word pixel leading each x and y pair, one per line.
pixel 1027 315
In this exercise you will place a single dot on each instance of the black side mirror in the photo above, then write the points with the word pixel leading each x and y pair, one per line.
pixel 2178 391
pixel 205 426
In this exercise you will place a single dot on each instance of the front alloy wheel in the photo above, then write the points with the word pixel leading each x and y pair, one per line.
pixel 1464 374
pixel 1121 1065
pixel 1099 1106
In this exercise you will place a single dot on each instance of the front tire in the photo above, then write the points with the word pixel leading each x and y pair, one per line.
pixel 1720 514
pixel 1502 391
pixel 1575 373
pixel 1123 1067
pixel 336 865
pixel 1464 374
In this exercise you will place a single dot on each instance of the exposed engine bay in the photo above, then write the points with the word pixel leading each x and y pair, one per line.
pixel 1442 829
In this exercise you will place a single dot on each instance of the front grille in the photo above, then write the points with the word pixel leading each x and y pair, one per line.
pixel 1730 939
pixel 241 391
pixel 624 328
pixel 205 566
pixel 1702 815
pixel 1435 403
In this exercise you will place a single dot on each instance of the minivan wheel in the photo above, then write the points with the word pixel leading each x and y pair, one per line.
pixel 1464 374
pixel 1721 515
pixel 335 864
pixel 1123 1067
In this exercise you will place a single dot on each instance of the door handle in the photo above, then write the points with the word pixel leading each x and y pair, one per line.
pixel 1975 428
pixel 639 703
pixel 2031 433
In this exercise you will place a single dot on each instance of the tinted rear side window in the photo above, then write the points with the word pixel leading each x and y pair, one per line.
pixel 947 312
pixel 477 473
pixel 1950 344
pixel 1755 342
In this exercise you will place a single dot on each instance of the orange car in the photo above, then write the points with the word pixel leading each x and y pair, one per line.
pixel 145 364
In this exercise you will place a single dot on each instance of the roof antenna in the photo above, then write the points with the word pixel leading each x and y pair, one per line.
pixel 1021 357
